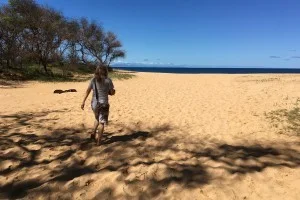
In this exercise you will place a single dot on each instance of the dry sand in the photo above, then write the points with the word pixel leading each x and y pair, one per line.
pixel 170 136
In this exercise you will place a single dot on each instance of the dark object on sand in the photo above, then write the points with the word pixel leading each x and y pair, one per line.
pixel 63 91
pixel 58 91
pixel 71 90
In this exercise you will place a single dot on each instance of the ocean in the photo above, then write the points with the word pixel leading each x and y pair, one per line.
pixel 211 70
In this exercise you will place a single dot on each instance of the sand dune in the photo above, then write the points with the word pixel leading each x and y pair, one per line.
pixel 171 136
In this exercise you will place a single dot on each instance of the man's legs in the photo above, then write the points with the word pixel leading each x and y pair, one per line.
pixel 102 116
pixel 100 132
pixel 96 124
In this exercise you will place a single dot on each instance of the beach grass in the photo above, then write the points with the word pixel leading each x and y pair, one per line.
pixel 120 75
pixel 286 120
pixel 78 73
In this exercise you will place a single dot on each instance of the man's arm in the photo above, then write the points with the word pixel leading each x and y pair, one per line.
pixel 112 90
pixel 88 91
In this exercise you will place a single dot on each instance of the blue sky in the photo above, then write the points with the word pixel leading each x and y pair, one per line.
pixel 198 32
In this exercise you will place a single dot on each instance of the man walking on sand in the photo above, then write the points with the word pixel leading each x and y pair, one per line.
pixel 102 86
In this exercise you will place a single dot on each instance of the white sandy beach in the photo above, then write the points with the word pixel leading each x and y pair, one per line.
pixel 171 136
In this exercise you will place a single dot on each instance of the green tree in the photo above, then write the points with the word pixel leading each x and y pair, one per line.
pixel 99 46
pixel 11 40
pixel 32 33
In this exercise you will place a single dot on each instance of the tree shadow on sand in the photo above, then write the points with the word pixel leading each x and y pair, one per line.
pixel 146 161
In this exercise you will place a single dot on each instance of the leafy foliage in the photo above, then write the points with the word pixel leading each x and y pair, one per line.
pixel 35 34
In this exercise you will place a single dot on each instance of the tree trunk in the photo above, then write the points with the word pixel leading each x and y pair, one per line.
pixel 21 64
pixel 110 69
pixel 8 63
pixel 1 65
pixel 45 67
pixel 106 67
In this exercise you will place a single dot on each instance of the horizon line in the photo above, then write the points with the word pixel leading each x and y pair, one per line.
pixel 128 64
